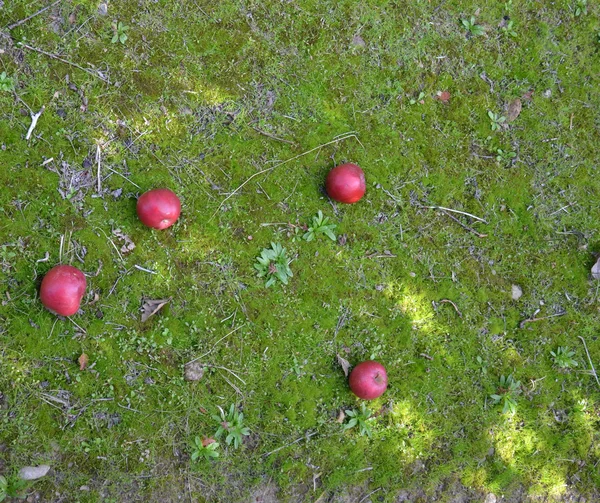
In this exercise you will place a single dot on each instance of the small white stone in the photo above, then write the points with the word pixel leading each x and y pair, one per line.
pixel 517 292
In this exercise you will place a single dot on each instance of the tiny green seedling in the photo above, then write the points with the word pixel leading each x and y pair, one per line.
pixel 563 358
pixel 509 29
pixel 6 82
pixel 419 99
pixel 3 488
pixel 273 264
pixel 581 8
pixel 119 35
pixel 472 27
pixel 231 423
pixel 483 365
pixel 359 418
pixel 496 120
pixel 505 156
pixel 207 449
pixel 320 225
pixel 508 389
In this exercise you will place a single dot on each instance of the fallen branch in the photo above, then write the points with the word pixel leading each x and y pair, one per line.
pixel 34 120
pixel 98 158
pixel 455 211
pixel 305 437
pixel 273 136
pixel 23 21
pixel 590 360
pixel 67 62
pixel 466 227
pixel 426 356
pixel 529 320
pixel 267 170
pixel 453 305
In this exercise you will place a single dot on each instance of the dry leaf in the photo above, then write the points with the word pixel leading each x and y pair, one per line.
pixel 207 441
pixel 72 18
pixel 514 109
pixel 344 364
pixel 341 417
pixel 33 472
pixel 527 96
pixel 596 270
pixel 151 307
pixel 443 96
pixel 83 361
pixel 129 244
pixel 358 41
pixel 194 371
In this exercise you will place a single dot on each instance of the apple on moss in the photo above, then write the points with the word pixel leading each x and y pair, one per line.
pixel 158 208
pixel 346 183
pixel 368 380
pixel 62 289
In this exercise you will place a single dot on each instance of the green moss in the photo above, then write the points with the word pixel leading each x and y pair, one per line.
pixel 195 83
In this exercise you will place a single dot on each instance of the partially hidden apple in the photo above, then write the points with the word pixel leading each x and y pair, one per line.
pixel 62 289
pixel 346 183
pixel 158 208
pixel 368 380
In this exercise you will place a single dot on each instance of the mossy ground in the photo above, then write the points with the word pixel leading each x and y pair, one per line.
pixel 190 92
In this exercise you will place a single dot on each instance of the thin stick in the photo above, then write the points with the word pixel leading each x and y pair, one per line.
pixel 273 136
pixel 522 324
pixel 372 492
pixel 23 21
pixel 98 155
pixel 215 345
pixel 306 437
pixel 341 138
pixel 77 325
pixel 466 227
pixel 455 211
pixel 140 268
pixel 123 176
pixel 590 360
pixel 453 305
pixel 58 58
pixel 228 370
pixel 237 390
pixel 34 119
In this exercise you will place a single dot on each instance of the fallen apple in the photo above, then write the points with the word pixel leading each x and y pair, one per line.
pixel 346 183
pixel 158 208
pixel 62 289
pixel 368 380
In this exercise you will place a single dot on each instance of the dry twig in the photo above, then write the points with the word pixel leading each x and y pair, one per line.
pixel 23 21
pixel 590 360
pixel 267 170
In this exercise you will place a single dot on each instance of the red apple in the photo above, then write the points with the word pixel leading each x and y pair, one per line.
pixel 346 183
pixel 368 380
pixel 62 289
pixel 158 208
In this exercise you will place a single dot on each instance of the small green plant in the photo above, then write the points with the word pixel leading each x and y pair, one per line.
pixel 119 34
pixel 359 418
pixel 231 423
pixel 320 225
pixel 496 120
pixel 205 448
pixel 472 27
pixel 419 99
pixel 508 5
pixel 483 365
pixel 509 29
pixel 505 156
pixel 3 488
pixel 581 8
pixel 274 265
pixel 508 389
pixel 563 358
pixel 6 83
